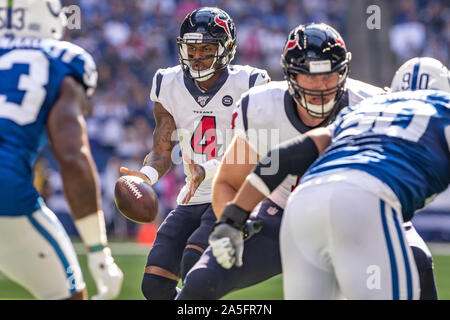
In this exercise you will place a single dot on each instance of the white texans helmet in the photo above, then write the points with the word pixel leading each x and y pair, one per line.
pixel 32 18
pixel 420 74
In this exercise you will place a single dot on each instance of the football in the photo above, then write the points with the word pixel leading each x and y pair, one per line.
pixel 136 199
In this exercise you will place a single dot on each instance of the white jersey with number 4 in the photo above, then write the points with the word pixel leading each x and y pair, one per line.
pixel 267 116
pixel 203 118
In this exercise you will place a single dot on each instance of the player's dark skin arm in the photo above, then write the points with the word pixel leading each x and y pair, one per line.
pixel 248 196
pixel 66 128
pixel 69 143
pixel 160 157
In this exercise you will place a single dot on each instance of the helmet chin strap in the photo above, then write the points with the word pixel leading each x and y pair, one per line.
pixel 202 75
pixel 320 110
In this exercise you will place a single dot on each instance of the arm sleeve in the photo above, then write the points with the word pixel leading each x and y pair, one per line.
pixel 292 157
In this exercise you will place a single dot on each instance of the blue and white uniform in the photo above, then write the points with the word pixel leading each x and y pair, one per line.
pixel 341 231
pixel 32 71
pixel 413 136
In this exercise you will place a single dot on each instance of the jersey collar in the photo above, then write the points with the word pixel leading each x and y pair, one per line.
pixel 203 97
pixel 290 108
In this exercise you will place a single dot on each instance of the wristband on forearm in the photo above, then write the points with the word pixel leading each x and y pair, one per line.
pixel 234 216
pixel 151 173
pixel 92 231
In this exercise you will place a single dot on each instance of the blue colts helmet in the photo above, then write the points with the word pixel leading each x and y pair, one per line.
pixel 33 19
pixel 421 74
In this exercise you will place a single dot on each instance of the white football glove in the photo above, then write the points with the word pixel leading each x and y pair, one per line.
pixel 107 275
pixel 227 244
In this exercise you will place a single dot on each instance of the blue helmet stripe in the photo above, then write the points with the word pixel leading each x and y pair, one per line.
pixel 415 75
pixel 9 13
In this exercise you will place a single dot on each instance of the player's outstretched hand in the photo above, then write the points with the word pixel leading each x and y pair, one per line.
pixel 198 175
pixel 227 244
pixel 139 174
pixel 107 275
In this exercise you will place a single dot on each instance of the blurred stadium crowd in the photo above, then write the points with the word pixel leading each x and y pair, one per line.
pixel 421 28
pixel 131 39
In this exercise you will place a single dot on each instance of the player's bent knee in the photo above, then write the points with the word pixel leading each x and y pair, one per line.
pixel 156 287
pixel 201 284
pixel 424 261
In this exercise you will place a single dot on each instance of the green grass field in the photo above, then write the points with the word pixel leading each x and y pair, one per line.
pixel 132 264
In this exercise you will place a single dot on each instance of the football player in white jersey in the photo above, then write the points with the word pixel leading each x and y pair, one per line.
pixel 45 89
pixel 194 102
pixel 380 162
pixel 316 64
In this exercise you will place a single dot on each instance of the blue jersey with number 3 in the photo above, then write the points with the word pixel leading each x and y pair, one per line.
pixel 31 72
pixel 403 139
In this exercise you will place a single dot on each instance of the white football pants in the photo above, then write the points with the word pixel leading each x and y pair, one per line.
pixel 340 241
pixel 36 252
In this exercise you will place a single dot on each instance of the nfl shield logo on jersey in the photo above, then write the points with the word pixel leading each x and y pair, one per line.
pixel 202 100
pixel 272 211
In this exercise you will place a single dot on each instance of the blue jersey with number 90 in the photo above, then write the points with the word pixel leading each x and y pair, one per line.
pixel 403 139
pixel 31 72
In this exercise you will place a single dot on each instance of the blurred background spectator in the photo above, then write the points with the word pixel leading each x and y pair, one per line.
pixel 131 39
pixel 421 28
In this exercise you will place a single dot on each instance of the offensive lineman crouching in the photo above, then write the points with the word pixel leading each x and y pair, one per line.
pixel 391 148
pixel 315 62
